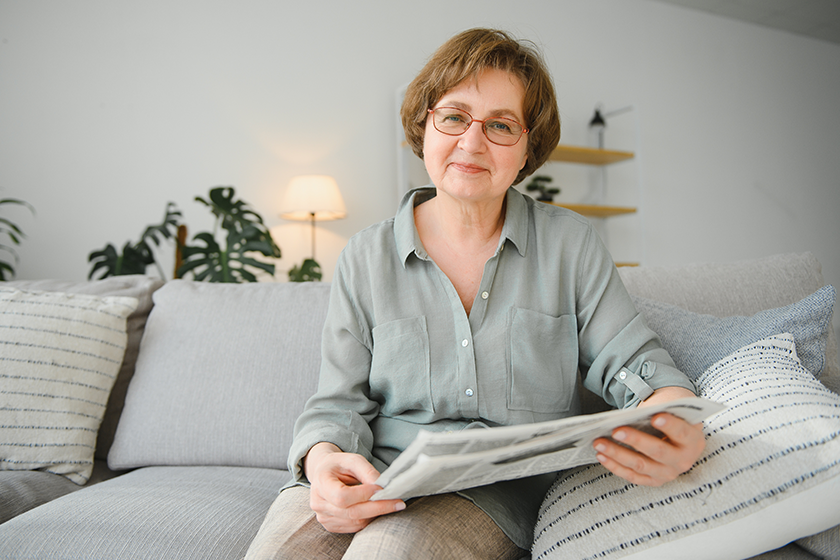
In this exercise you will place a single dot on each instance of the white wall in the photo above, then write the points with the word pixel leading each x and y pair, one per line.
pixel 109 110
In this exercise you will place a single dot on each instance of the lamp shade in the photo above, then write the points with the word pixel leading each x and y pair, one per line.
pixel 313 197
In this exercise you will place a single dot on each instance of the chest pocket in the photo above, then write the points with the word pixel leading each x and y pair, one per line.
pixel 543 361
pixel 400 378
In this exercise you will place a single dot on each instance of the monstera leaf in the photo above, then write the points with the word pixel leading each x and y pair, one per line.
pixel 132 260
pixel 207 259
pixel 135 257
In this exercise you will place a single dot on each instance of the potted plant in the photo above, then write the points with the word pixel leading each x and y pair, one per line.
pixel 541 183
pixel 308 271
pixel 207 258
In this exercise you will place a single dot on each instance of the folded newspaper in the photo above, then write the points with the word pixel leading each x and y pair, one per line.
pixel 439 462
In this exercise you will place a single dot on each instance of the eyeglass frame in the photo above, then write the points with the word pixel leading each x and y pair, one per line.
pixel 474 120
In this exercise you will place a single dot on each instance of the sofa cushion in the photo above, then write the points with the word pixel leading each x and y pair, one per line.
pixel 770 474
pixel 696 341
pixel 164 513
pixel 59 356
pixel 21 491
pixel 223 372
pixel 136 286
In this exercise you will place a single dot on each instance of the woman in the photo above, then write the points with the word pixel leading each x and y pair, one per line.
pixel 474 306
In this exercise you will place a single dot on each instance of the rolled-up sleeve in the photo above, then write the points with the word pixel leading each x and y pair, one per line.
pixel 621 358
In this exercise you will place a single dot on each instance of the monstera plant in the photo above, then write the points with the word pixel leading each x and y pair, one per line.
pixel 10 230
pixel 135 257
pixel 231 259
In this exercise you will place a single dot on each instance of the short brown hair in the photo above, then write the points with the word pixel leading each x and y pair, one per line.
pixel 465 56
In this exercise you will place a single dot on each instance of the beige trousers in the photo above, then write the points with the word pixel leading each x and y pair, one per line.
pixel 432 527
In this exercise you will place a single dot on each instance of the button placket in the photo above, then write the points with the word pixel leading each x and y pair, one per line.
pixel 467 361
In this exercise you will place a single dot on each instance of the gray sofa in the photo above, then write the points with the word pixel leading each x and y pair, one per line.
pixel 192 448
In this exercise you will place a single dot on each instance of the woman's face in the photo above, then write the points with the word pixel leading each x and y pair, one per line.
pixel 469 167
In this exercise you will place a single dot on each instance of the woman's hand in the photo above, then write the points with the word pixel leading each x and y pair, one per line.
pixel 652 461
pixel 341 487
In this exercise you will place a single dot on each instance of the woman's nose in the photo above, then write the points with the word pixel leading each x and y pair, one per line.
pixel 473 139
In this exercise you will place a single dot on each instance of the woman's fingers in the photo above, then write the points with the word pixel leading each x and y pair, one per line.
pixel 645 459
pixel 355 516
pixel 341 488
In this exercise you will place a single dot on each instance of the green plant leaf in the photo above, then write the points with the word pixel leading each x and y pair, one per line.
pixel 132 260
pixel 170 222
pixel 15 235
pixel 309 271
pixel 246 235
pixel 135 258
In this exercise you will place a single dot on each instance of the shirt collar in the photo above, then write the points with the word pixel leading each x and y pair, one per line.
pixel 516 220
pixel 408 240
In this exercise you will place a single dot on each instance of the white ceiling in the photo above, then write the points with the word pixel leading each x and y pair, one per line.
pixel 819 19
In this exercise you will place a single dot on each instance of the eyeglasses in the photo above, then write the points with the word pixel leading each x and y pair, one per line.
pixel 499 130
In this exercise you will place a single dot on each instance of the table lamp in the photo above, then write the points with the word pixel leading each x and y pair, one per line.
pixel 313 197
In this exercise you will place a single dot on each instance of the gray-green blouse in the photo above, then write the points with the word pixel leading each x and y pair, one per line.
pixel 400 354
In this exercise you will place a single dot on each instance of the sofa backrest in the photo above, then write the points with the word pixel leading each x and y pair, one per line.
pixel 223 372
pixel 719 289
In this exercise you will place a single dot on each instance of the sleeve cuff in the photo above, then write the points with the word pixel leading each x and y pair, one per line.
pixel 638 386
pixel 652 376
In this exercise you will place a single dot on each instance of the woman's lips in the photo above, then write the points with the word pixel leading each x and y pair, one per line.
pixel 467 167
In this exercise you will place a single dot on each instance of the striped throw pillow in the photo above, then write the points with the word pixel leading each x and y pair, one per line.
pixel 59 356
pixel 770 474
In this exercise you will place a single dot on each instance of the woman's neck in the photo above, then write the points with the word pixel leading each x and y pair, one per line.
pixel 465 226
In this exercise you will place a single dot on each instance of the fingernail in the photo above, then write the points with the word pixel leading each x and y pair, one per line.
pixel 658 422
pixel 399 506
pixel 620 436
pixel 601 447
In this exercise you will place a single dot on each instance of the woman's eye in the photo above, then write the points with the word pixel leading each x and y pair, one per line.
pixel 454 118
pixel 499 126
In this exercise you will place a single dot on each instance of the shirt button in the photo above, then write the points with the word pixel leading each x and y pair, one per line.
pixel 485 295
pixel 465 343
pixel 622 375
pixel 468 392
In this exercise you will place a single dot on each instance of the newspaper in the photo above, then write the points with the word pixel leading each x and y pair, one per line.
pixel 439 462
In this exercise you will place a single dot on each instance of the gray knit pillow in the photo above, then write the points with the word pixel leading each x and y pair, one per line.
pixel 696 341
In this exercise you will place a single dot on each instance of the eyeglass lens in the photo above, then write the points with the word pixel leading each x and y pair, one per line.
pixel 454 122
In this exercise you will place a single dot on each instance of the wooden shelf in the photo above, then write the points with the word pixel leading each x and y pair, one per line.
pixel 596 211
pixel 589 156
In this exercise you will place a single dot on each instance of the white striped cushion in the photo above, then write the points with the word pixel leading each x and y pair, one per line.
pixel 770 474
pixel 59 357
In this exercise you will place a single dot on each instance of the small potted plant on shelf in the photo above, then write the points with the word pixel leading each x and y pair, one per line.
pixel 541 183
